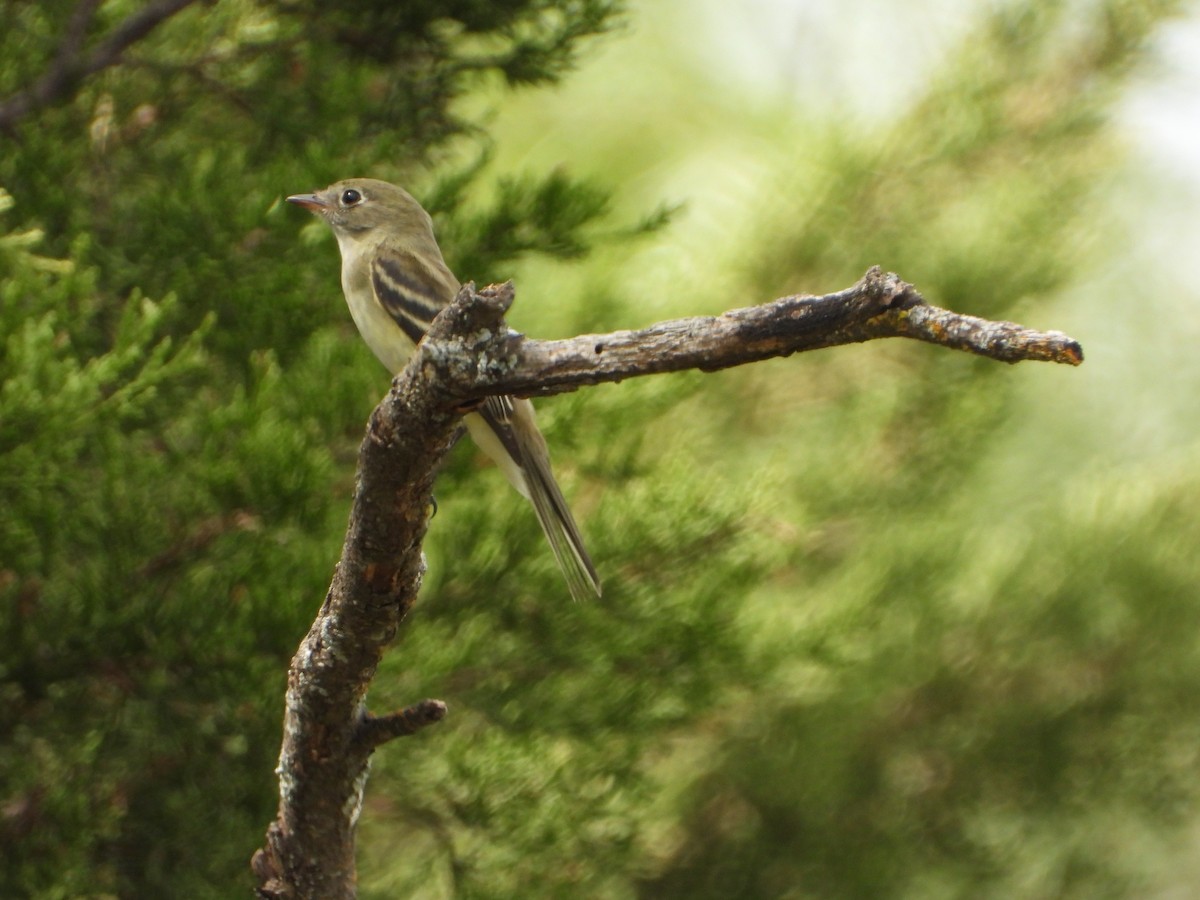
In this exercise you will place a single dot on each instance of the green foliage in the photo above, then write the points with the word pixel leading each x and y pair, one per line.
pixel 993 716
pixel 846 647
pixel 139 511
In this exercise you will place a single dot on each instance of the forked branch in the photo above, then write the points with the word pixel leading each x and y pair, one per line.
pixel 468 354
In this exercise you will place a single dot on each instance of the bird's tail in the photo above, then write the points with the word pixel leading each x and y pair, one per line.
pixel 526 462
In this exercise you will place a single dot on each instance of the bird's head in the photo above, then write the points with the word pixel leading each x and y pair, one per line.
pixel 357 207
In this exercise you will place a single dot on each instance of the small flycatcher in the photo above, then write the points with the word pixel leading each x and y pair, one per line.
pixel 396 282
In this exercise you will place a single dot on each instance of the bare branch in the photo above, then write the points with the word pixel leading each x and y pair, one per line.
pixel 878 306
pixel 467 354
pixel 376 730
pixel 1003 341
pixel 71 65
pixel 322 769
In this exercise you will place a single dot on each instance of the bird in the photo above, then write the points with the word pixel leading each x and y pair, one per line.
pixel 395 282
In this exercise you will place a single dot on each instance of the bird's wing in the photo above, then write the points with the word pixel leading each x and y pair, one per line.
pixel 413 289
pixel 410 290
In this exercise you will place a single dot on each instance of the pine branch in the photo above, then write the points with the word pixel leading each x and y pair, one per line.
pixel 469 353
pixel 71 64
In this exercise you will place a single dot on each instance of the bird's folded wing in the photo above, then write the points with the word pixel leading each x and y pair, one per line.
pixel 409 290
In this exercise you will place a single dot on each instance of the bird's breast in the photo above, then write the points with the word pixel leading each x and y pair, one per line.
pixel 386 339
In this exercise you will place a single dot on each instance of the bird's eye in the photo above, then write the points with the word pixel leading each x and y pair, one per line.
pixel 350 197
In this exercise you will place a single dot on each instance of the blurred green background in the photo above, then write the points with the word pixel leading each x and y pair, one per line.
pixel 882 621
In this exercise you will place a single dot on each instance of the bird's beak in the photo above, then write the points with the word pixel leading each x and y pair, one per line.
pixel 311 202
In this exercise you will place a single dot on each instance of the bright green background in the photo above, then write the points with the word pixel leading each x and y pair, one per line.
pixel 883 621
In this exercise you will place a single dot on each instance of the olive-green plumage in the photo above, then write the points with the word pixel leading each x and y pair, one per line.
pixel 395 282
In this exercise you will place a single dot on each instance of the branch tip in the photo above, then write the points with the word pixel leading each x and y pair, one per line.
pixel 1072 352
pixel 473 311
pixel 501 295
pixel 373 731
